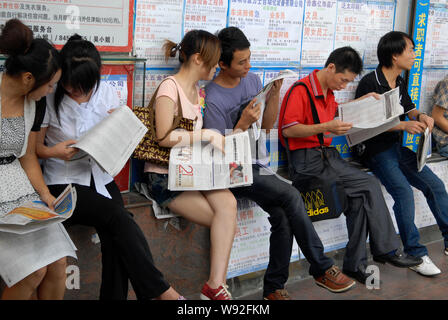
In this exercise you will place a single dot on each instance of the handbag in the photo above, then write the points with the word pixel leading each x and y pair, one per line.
pixel 149 149
pixel 323 194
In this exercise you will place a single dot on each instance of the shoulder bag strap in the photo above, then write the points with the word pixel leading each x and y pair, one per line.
pixel 316 120
pixel 176 119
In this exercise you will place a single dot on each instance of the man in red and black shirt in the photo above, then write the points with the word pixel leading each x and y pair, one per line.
pixel 367 212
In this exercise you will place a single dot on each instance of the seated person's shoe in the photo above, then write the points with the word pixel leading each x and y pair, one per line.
pixel 426 268
pixel 221 293
pixel 359 275
pixel 401 260
pixel 279 294
pixel 334 280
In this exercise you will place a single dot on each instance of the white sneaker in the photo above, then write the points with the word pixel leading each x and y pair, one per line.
pixel 426 268
pixel 446 251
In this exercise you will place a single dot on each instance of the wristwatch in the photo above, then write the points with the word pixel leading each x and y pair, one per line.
pixel 418 116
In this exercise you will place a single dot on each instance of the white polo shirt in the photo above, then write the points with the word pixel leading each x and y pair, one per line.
pixel 73 122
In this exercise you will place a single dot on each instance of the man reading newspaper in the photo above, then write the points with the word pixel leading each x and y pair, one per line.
pixel 235 86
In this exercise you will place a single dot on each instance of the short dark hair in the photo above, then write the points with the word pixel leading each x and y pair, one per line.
pixel 345 58
pixel 26 54
pixel 232 39
pixel 390 44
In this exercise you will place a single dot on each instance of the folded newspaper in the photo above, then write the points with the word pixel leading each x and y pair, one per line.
pixel 35 215
pixel 370 116
pixel 111 142
pixel 262 95
pixel 203 167
pixel 424 149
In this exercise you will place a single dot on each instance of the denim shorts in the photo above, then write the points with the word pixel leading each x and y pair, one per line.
pixel 158 189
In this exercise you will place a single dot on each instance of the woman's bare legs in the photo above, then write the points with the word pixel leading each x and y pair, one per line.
pixel 217 210
pixel 24 289
pixel 52 286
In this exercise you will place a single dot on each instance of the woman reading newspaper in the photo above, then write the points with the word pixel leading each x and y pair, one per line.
pixel 31 264
pixel 199 52
pixel 80 101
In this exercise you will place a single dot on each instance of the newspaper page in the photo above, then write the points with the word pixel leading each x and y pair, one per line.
pixel 262 96
pixel 202 167
pixel 370 112
pixel 35 215
pixel 111 142
pixel 23 254
pixel 370 116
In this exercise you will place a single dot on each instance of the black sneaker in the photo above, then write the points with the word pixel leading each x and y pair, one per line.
pixel 400 260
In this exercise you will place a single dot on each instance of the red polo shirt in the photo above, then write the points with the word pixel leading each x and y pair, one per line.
pixel 298 111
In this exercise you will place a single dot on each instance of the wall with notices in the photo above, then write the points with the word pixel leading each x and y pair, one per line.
pixel 293 34
pixel 284 34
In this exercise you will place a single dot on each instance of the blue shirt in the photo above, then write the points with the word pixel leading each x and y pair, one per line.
pixel 223 106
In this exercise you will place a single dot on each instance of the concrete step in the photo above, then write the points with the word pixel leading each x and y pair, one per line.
pixel 182 256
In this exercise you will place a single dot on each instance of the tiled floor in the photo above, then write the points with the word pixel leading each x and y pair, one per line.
pixel 396 284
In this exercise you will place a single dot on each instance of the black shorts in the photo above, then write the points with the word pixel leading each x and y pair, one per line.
pixel 158 189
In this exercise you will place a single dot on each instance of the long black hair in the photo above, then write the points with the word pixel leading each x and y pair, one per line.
pixel 26 54
pixel 81 68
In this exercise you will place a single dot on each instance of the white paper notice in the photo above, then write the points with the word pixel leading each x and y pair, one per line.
pixel 153 77
pixel 352 23
pixel 156 21
pixel 318 32
pixel 436 46
pixel 103 22
pixel 205 15
pixel 273 30
pixel 381 20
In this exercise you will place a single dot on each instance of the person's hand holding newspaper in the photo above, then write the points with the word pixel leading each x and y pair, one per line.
pixel 250 114
pixel 48 199
pixel 64 151
pixel 337 127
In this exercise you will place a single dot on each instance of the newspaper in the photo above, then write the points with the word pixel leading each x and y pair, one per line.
pixel 262 95
pixel 370 116
pixel 202 167
pixel 111 142
pixel 358 135
pixel 159 212
pixel 424 149
pixel 23 254
pixel 35 215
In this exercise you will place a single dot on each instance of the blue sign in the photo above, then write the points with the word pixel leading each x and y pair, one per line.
pixel 415 75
